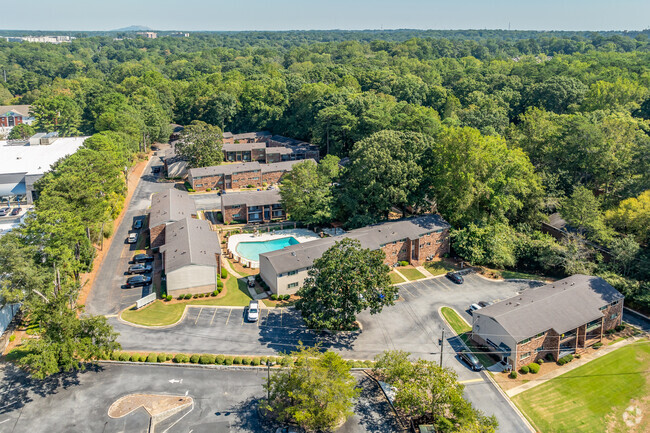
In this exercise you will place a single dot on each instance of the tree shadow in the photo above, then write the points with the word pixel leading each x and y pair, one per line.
pixel 248 417
pixel 285 331
pixel 18 387
pixel 372 411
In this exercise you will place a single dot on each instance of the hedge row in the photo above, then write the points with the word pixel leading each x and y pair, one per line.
pixel 198 295
pixel 208 359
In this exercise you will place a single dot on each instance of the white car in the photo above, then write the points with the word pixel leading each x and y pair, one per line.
pixel 133 238
pixel 473 308
pixel 253 311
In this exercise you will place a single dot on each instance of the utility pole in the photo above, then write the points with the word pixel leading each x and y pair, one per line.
pixel 442 345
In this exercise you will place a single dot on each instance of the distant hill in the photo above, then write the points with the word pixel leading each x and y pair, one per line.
pixel 133 29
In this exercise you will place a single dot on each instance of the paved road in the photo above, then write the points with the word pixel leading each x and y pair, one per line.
pixel 412 324
pixel 108 296
pixel 224 401
pixel 207 201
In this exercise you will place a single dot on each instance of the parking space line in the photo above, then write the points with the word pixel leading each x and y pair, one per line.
pixel 213 314
pixel 197 316
pixel 405 289
pixel 229 313
pixel 471 381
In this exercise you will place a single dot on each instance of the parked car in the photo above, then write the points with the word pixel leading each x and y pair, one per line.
pixel 138 280
pixel 253 311
pixel 15 211
pixel 471 360
pixel 5 211
pixel 139 268
pixel 483 304
pixel 133 238
pixel 456 278
pixel 137 224
pixel 142 258
pixel 473 308
pixel 251 281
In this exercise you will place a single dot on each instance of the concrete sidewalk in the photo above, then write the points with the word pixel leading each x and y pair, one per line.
pixel 571 366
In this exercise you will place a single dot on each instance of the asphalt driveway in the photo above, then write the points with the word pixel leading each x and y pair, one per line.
pixel 224 401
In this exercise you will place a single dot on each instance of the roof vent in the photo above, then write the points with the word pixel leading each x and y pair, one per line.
pixel 293 253
pixel 517 304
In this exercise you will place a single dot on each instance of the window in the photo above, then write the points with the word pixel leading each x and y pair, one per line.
pixel 439 241
pixel 541 334
pixel 603 307
pixel 236 215
pixel 292 285
pixel 539 349
pixel 524 355
pixel 292 272
pixel 613 316
pixel 199 185
pixel 255 178
pixel 524 341
pixel 220 182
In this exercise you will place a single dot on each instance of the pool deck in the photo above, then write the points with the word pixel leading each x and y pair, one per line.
pixel 301 235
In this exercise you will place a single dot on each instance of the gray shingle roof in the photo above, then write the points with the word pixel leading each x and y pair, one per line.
pixel 280 166
pixel 252 198
pixel 301 256
pixel 243 147
pixel 190 242
pixel 169 206
pixel 563 305
pixel 224 169
pixel 20 109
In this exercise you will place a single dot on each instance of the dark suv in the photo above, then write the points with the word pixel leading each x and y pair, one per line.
pixel 471 360
pixel 456 278
pixel 138 280
pixel 142 258
pixel 137 224
pixel 139 268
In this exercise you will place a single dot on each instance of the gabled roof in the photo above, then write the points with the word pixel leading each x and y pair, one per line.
pixel 562 306
pixel 243 147
pixel 190 242
pixel 252 198
pixel 169 206
pixel 302 255
pixel 224 169
pixel 281 166
pixel 23 110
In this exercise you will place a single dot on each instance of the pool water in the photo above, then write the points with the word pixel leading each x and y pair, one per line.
pixel 252 250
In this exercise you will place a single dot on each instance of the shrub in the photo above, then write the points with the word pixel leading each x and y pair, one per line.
pixel 196 295
pixel 228 360
pixel 115 356
pixel 246 361
pixel 619 328
pixel 237 360
pixel 162 357
pixel 188 296
pixel 12 337
pixel 255 361
pixel 194 358
pixel 152 357
pixel 220 284
pixel 286 361
pixel 143 358
pixel 274 297
pixel 524 369
pixel 220 359
pixel 258 278
pixel 578 356
pixel 170 357
pixel 533 367
pixel 540 361
pixel 224 273
pixel 181 358
pixel 561 361
pixel 215 293
pixel 125 357
pixel 207 359
pixel 208 189
pixel 200 295
pixel 610 331
pixel 135 358
pixel 598 345
pixel 181 297
pixel 513 375
pixel 166 299
pixel 369 363
pixel 219 289
pixel 403 263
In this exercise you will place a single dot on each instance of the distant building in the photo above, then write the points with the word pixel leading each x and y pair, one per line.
pixel 560 318
pixel 41 39
pixel 23 162
pixel 148 35
pixel 180 35
pixel 12 115
pixel 252 207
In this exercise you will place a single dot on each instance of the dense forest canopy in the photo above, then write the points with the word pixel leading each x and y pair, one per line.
pixel 494 129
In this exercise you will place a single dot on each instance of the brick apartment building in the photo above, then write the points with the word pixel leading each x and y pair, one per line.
pixel 235 176
pixel 247 137
pixel 264 148
pixel 168 207
pixel 252 207
pixel 563 317
pixel 413 240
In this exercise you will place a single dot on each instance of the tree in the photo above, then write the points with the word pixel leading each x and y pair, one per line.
pixel 306 190
pixel 430 393
pixel 624 251
pixel 342 283
pixel 557 94
pixel 22 130
pixel 384 172
pixel 489 244
pixel 201 145
pixel 333 129
pixel 58 113
pixel 632 216
pixel 582 211
pixel 316 392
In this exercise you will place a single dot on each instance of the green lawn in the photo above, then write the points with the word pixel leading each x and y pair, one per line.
pixel 514 275
pixel 395 279
pixel 411 273
pixel 439 267
pixel 458 324
pixel 593 397
pixel 161 314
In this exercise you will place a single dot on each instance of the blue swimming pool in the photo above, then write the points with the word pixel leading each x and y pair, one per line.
pixel 252 250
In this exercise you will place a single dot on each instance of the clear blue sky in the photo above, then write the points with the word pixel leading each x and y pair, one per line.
pixel 326 14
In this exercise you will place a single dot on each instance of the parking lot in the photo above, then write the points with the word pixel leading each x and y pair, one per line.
pixel 223 401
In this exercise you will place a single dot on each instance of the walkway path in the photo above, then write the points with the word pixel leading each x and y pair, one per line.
pixel 406 280
pixel 571 366
pixel 425 272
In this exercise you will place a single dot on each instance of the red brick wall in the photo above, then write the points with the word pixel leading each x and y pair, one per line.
pixel 207 182
pixel 396 252
pixel 273 157
pixel 273 177
pixel 230 211
pixel 258 155
pixel 157 236
pixel 434 244
pixel 240 180
pixel 612 323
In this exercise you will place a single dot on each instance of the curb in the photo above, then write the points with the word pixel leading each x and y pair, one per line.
pixel 249 368
pixel 512 405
